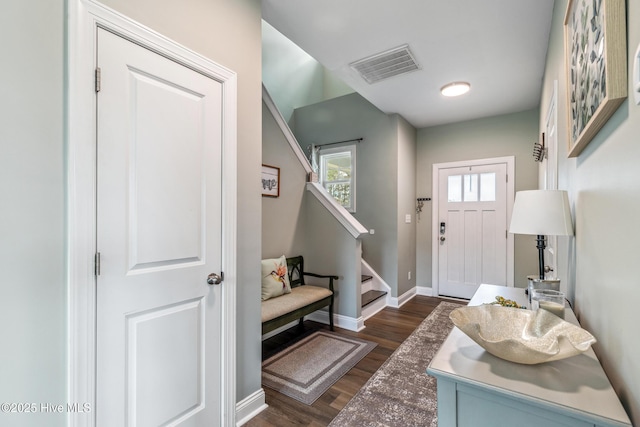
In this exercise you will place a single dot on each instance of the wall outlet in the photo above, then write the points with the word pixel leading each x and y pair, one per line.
pixel 372 231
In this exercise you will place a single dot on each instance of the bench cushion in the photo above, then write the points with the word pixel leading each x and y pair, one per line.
pixel 299 297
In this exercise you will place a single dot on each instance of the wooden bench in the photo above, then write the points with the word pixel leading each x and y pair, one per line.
pixel 303 299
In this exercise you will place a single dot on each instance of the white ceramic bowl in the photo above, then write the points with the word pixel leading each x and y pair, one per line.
pixel 521 336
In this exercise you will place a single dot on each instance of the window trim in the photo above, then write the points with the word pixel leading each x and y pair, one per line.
pixel 351 149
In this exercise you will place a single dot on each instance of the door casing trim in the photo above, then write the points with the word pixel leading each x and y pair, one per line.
pixel 435 258
pixel 83 19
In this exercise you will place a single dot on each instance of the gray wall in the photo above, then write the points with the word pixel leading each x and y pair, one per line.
pixel 299 85
pixel 32 190
pixel 507 135
pixel 283 218
pixel 352 116
pixel 406 204
pixel 599 265
pixel 297 224
pixel 330 249
pixel 33 305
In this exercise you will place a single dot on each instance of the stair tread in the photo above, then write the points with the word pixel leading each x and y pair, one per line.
pixel 370 296
pixel 365 278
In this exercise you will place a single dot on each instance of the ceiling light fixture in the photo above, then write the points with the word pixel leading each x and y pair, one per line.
pixel 455 89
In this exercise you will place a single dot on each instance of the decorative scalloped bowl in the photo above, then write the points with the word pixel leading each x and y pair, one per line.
pixel 521 336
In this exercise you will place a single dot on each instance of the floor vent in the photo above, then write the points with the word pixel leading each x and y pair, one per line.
pixel 386 64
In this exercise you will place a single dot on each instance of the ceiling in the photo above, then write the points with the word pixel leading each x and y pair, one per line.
pixel 498 46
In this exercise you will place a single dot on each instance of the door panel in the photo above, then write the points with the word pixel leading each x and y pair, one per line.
pixel 455 236
pixel 164 114
pixel 159 236
pixel 165 348
pixel 470 248
pixel 473 247
pixel 490 250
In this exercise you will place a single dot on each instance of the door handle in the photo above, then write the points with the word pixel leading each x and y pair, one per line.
pixel 442 238
pixel 215 279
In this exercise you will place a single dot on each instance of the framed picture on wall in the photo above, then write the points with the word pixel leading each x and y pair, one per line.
pixel 270 181
pixel 596 62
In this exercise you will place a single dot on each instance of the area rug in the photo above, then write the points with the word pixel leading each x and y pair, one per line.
pixel 309 367
pixel 401 393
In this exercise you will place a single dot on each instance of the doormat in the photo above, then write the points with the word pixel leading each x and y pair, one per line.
pixel 305 370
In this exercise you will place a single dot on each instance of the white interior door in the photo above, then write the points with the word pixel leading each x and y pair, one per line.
pixel 159 236
pixel 550 176
pixel 472 224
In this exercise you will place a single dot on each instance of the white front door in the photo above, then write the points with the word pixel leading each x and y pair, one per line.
pixel 159 237
pixel 472 224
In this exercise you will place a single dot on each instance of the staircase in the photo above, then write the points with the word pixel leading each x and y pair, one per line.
pixel 369 296
pixel 374 293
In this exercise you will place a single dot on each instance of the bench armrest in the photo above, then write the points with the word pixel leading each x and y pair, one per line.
pixel 322 276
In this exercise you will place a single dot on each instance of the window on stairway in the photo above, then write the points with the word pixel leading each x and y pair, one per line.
pixel 338 174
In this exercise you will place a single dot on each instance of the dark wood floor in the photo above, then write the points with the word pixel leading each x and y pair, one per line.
pixel 389 328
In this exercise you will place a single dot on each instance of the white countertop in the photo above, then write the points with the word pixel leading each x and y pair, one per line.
pixel 576 384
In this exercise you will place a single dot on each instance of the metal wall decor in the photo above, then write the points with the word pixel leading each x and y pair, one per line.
pixel 539 150
pixel 596 55
pixel 270 181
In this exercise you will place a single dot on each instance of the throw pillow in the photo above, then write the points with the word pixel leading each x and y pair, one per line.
pixel 275 278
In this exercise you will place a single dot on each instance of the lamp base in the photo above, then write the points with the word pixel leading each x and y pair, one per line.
pixel 534 282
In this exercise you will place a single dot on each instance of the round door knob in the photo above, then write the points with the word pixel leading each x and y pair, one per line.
pixel 215 279
pixel 442 238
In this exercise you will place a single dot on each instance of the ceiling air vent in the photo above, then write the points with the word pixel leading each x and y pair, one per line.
pixel 386 64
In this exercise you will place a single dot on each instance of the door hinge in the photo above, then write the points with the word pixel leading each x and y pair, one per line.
pixel 506 234
pixel 507 177
pixel 98 79
pixel 97 263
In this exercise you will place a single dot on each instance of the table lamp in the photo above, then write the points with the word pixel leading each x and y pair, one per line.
pixel 541 213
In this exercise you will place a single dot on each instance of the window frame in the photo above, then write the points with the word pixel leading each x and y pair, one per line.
pixel 467 180
pixel 327 152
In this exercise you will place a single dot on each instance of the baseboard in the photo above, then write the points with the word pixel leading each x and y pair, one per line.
pixel 250 406
pixel 280 329
pixel 322 316
pixel 424 291
pixel 400 301
pixel 344 322
pixel 453 299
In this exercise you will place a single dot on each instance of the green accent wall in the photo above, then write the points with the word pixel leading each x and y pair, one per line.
pixel 293 78
pixel 598 265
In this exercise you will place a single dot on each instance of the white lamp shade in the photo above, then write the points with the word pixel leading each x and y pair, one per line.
pixel 544 212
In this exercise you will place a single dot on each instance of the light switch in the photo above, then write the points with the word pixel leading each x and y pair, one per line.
pixel 407 218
